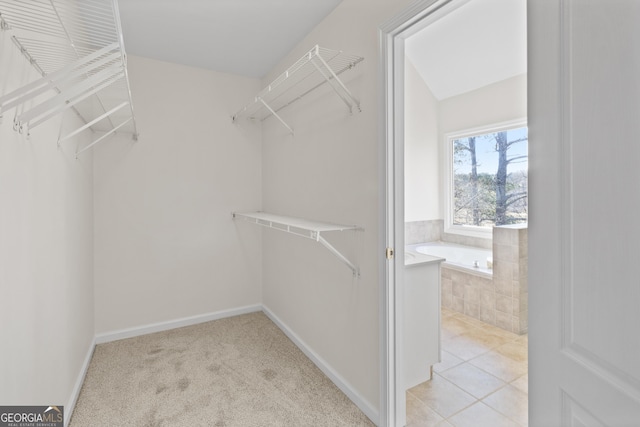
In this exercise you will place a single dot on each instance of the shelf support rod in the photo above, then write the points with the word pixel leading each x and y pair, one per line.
pixel 47 81
pixel 116 15
pixel 75 49
pixel 333 80
pixel 92 122
pixel 103 136
pixel 338 254
pixel 65 96
pixel 312 234
pixel 65 104
pixel 275 114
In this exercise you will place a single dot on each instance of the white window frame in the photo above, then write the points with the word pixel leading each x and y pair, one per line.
pixel 467 230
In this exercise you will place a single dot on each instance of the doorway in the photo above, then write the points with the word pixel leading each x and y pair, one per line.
pixel 399 39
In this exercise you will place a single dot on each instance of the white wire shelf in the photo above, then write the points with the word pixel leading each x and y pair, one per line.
pixel 301 227
pixel 317 67
pixel 78 49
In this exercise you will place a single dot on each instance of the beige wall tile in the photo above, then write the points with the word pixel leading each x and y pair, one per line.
pixel 524 322
pixel 457 288
pixel 505 253
pixel 504 287
pixel 477 242
pixel 445 300
pixel 515 272
pixel 503 269
pixel 472 294
pixel 524 303
pixel 488 300
pixel 504 304
pixel 523 243
pixel 446 286
pixel 423 231
pixel 486 285
pixel 472 309
pixel 515 324
pixel 457 304
pixel 503 320
pixel 499 301
pixel 488 315
pixel 515 288
pixel 458 276
pixel 524 271
pixel 501 236
pixel 515 301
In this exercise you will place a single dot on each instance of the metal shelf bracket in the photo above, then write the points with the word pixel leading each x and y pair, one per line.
pixel 304 228
pixel 317 67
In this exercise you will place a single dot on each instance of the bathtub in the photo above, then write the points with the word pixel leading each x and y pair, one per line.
pixel 458 257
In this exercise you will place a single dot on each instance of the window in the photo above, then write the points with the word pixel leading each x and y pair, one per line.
pixel 488 171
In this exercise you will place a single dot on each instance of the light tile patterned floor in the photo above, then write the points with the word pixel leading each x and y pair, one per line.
pixel 481 381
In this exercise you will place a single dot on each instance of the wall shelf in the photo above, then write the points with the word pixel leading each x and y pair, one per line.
pixel 301 227
pixel 314 69
pixel 78 49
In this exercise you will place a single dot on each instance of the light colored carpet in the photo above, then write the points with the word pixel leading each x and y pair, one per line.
pixel 240 371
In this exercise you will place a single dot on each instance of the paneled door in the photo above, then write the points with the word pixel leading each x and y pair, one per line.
pixel 584 223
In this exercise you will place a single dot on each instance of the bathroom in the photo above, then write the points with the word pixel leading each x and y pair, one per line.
pixel 465 152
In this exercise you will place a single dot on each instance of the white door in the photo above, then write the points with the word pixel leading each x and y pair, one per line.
pixel 584 223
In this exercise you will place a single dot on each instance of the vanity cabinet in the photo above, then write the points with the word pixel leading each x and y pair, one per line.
pixel 421 317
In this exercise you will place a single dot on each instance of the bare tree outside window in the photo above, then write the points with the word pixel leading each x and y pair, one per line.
pixel 490 174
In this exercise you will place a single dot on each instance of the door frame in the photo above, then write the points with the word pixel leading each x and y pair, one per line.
pixel 392 35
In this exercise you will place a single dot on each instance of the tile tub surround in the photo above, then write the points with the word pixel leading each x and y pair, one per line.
pixel 423 231
pixel 501 301
pixel 433 230
pixel 510 268
pixel 459 239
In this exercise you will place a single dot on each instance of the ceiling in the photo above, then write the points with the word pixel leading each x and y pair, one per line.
pixel 244 37
pixel 482 42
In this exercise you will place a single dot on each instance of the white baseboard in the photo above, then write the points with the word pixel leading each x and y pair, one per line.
pixel 365 406
pixel 71 403
pixel 172 324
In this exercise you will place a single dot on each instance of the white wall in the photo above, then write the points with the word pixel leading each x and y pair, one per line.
pixel 166 246
pixel 421 149
pixel 46 253
pixel 499 102
pixel 329 171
